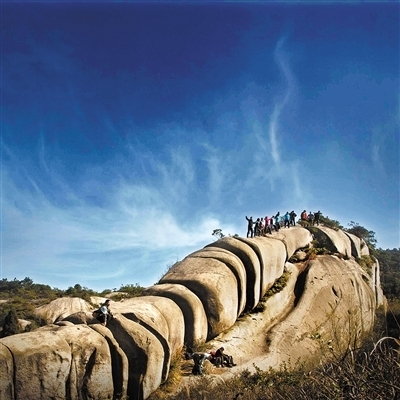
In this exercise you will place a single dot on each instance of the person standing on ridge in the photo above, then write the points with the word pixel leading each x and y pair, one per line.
pixel 311 218
pixel 293 216
pixel 250 226
pixel 286 219
pixel 316 217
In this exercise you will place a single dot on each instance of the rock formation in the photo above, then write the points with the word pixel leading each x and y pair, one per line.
pixel 327 302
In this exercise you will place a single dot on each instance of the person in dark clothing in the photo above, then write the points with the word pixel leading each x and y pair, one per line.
pixel 227 360
pixel 316 217
pixel 293 216
pixel 310 218
pixel 198 359
pixel 257 228
pixel 250 226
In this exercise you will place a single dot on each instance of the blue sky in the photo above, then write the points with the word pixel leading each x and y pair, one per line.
pixel 130 131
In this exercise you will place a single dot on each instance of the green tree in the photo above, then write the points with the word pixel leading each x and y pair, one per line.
pixel 11 325
pixel 218 233
pixel 362 233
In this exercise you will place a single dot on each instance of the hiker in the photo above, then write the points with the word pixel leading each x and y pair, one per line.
pixel 225 359
pixel 276 219
pixel 316 217
pixel 267 228
pixel 261 227
pixel 303 216
pixel 104 313
pixel 293 216
pixel 198 359
pixel 286 219
pixel 256 227
pixel 310 218
pixel 250 226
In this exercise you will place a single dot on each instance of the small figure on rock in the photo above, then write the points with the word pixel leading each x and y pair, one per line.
pixel 316 217
pixel 104 314
pixel 293 216
pixel 226 360
pixel 250 226
pixel 198 359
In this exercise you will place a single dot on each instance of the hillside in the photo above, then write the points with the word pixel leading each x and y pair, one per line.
pixel 270 300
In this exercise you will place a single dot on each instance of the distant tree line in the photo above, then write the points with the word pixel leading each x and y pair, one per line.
pixel 19 298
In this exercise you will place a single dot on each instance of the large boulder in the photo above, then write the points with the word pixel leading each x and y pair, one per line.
pixel 272 256
pixel 119 360
pixel 334 240
pixel 234 263
pixel 6 373
pixel 294 238
pixel 214 284
pixel 335 309
pixel 145 354
pixel 162 317
pixel 91 372
pixel 195 318
pixel 251 263
pixel 42 364
pixel 58 309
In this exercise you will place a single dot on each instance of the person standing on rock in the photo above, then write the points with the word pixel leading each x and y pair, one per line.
pixel 104 313
pixel 267 228
pixel 311 218
pixel 286 218
pixel 250 226
pixel 293 216
pixel 316 217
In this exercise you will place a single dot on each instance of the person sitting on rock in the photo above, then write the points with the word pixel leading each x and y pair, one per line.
pixel 104 313
pixel 227 360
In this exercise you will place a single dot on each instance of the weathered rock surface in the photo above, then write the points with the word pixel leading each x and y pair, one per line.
pixel 6 373
pixel 58 309
pixel 234 263
pixel 335 308
pixel 195 318
pixel 214 284
pixel 251 263
pixel 325 304
pixel 334 240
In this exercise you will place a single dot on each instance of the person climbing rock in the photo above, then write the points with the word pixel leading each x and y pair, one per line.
pixel 198 359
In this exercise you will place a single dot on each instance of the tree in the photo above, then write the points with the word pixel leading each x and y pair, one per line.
pixel 362 233
pixel 11 324
pixel 218 233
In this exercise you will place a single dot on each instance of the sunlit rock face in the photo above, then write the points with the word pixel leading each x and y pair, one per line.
pixel 195 319
pixel 59 309
pixel 324 301
pixel 214 284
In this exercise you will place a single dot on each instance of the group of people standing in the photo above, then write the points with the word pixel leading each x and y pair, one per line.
pixel 310 218
pixel 262 226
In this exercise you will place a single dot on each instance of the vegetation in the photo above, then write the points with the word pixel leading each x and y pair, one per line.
pixel 364 375
pixel 21 297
